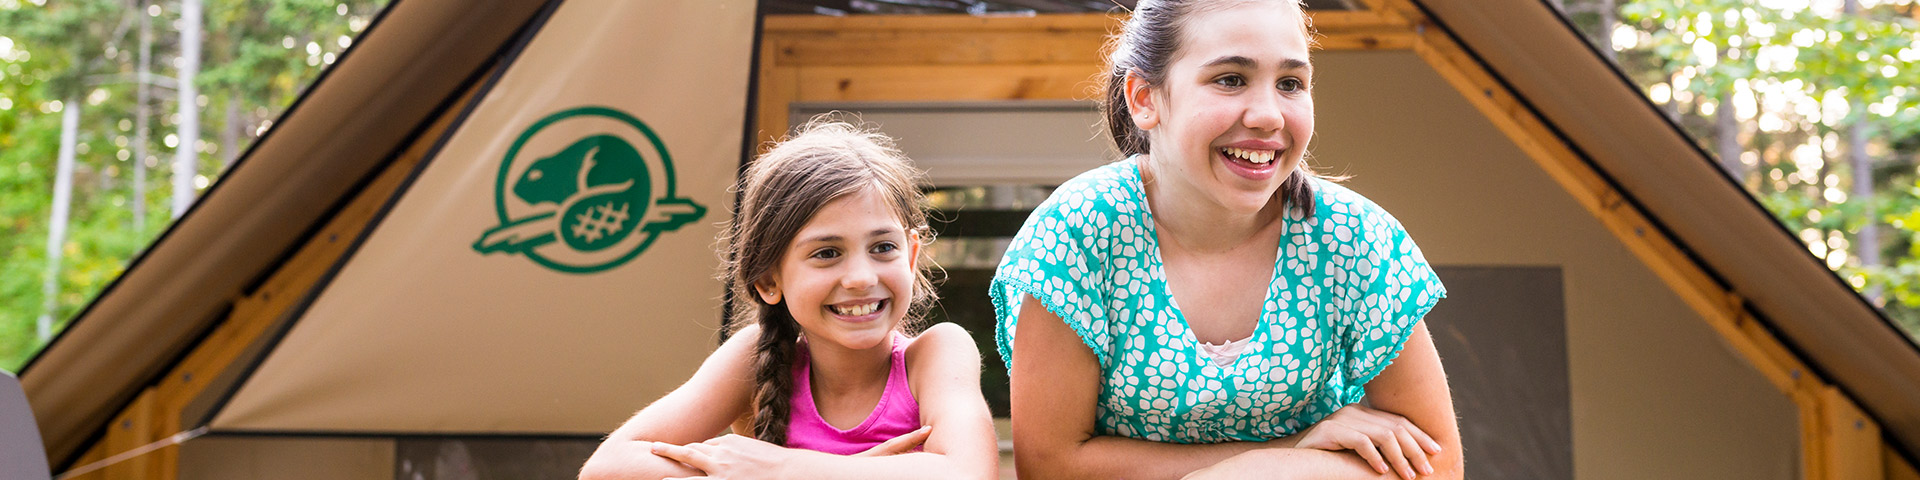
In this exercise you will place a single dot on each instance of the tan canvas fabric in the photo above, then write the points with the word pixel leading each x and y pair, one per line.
pixel 455 316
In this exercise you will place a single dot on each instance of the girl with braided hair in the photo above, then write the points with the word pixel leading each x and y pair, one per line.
pixel 824 263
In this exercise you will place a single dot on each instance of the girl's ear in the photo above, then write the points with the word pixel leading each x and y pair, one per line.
pixel 913 248
pixel 1140 101
pixel 769 289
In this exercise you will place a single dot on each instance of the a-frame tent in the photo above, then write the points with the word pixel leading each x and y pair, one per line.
pixel 371 280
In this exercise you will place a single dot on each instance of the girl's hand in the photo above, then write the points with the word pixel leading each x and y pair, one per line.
pixel 731 456
pixel 898 445
pixel 1369 433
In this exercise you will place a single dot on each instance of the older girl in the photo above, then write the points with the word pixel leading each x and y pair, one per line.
pixel 1207 306
pixel 823 259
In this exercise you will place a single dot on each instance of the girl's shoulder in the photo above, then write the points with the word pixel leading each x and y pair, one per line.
pixel 737 350
pixel 1329 195
pixel 941 354
pixel 1342 215
pixel 1102 203
pixel 1111 188
pixel 941 342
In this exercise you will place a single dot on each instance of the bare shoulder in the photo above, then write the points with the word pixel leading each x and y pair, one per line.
pixel 943 371
pixel 734 354
pixel 743 338
pixel 943 343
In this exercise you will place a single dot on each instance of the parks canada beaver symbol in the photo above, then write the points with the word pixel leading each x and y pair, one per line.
pixel 593 203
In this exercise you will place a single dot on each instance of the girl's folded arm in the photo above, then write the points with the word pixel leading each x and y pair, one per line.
pixel 1055 386
pixel 1413 386
pixel 1056 383
pixel 700 409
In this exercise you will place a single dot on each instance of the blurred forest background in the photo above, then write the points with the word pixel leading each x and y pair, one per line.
pixel 116 114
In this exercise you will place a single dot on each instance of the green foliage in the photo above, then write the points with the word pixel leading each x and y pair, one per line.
pixel 1808 79
pixel 57 50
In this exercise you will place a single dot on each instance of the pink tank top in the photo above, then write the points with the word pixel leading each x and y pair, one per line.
pixel 897 413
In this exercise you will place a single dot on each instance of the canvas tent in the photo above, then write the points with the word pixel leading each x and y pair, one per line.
pixel 383 286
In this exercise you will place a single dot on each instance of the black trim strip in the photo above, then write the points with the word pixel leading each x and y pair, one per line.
pixel 510 52
pixel 403 435
pixel 749 143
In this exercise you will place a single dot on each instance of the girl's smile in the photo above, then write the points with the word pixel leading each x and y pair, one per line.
pixel 859 311
pixel 1252 159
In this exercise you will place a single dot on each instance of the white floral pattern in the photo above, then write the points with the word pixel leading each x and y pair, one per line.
pixel 1347 289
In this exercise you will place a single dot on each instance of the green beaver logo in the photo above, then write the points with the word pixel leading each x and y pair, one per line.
pixel 598 196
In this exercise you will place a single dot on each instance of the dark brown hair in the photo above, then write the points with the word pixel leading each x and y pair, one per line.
pixel 1146 46
pixel 779 193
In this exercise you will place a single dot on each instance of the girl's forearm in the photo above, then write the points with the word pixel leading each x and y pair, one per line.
pixel 1288 463
pixel 810 464
pixel 1122 457
pixel 631 459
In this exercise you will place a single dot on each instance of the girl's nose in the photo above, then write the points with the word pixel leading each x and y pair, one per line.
pixel 859 276
pixel 1263 113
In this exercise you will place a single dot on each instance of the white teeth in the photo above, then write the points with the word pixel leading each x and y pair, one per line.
pixel 1254 156
pixel 857 310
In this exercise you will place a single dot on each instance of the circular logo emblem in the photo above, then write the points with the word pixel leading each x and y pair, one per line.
pixel 585 190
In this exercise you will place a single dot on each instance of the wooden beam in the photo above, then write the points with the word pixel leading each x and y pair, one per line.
pixel 878 58
pixel 777 87
pixel 1339 20
pixel 935 47
pixel 1365 40
pixel 1896 465
pixel 132 428
pixel 1099 22
pixel 155 414
pixel 1850 440
pixel 947 83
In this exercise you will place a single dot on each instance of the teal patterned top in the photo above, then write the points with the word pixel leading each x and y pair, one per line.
pixel 1347 289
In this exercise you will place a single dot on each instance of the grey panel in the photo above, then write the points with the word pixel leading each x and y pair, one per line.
pixel 1502 334
pixel 21 456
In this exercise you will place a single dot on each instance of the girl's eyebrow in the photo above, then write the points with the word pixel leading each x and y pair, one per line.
pixel 829 238
pixel 1244 62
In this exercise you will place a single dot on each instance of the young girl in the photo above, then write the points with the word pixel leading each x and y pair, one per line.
pixel 823 260
pixel 1207 307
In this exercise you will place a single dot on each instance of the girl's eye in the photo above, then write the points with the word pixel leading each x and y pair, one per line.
pixel 825 254
pixel 1231 81
pixel 885 247
pixel 1291 84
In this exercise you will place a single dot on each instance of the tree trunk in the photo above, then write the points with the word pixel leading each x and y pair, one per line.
pixel 186 156
pixel 1672 106
pixel 1726 140
pixel 1866 243
pixel 143 111
pixel 1608 21
pixel 57 224
pixel 230 133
